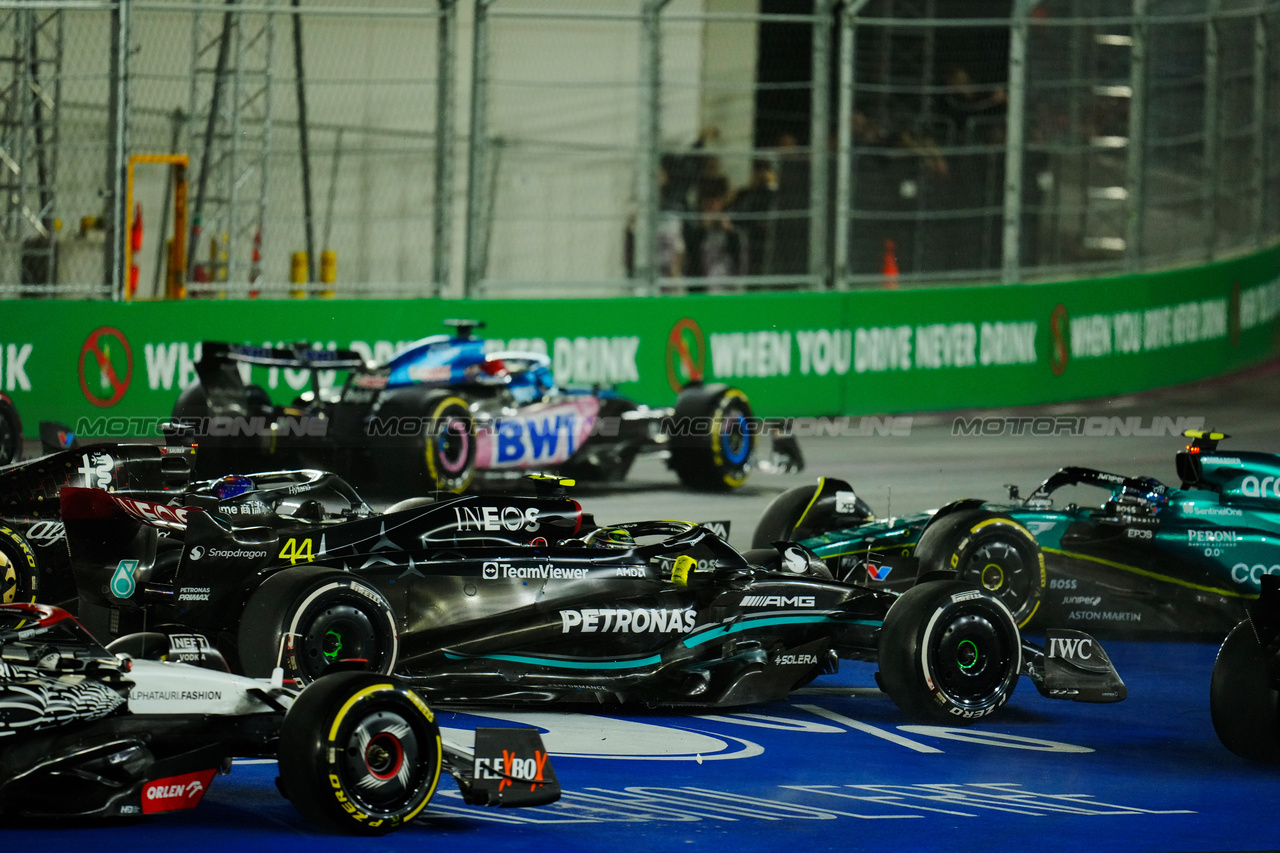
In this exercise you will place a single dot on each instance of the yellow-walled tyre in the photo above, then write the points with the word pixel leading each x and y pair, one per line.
pixel 991 551
pixel 360 753
pixel 19 573
pixel 712 437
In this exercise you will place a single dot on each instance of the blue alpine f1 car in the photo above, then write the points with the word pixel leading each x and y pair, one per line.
pixel 445 410
pixel 1086 549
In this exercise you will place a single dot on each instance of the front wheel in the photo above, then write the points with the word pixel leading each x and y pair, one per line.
pixel 359 753
pixel 712 437
pixel 19 574
pixel 309 620
pixel 989 550
pixel 949 653
pixel 1243 702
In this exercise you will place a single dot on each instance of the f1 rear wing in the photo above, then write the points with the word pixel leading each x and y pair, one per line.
pixel 300 356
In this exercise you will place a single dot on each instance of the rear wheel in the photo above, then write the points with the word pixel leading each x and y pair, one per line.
pixel 715 440
pixel 432 446
pixel 949 653
pixel 1243 701
pixel 449 449
pixel 359 753
pixel 19 575
pixel 991 551
pixel 311 620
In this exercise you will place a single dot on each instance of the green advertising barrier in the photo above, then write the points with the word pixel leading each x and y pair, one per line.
pixel 800 354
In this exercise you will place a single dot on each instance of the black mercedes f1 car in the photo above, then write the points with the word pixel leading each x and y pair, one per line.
pixel 526 599
pixel 87 732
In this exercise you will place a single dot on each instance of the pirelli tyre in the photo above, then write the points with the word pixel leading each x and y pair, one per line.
pixel 19 574
pixel 806 511
pixel 432 443
pixel 1243 700
pixel 712 437
pixel 310 620
pixel 10 432
pixel 990 550
pixel 359 753
pixel 949 653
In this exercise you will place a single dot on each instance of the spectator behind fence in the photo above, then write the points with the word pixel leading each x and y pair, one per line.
pixel 714 247
pixel 979 111
pixel 669 246
pixel 752 208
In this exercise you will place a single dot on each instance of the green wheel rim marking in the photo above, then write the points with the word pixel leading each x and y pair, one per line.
pixel 337 647
pixel 974 647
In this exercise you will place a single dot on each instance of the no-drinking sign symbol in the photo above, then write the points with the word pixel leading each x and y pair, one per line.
pixel 106 366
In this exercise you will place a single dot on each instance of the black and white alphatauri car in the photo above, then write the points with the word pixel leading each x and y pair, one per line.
pixel 91 732
pixel 526 599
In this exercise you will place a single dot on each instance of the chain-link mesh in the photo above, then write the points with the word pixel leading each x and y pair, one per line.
pixel 1143 132
pixel 220 82
pixel 616 146
pixel 53 149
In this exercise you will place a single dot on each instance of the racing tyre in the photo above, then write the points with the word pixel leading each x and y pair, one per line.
pixel 991 551
pixel 359 753
pixel 438 457
pixel 716 453
pixel 948 653
pixel 19 574
pixel 1243 702
pixel 10 432
pixel 795 515
pixel 313 619
pixel 448 450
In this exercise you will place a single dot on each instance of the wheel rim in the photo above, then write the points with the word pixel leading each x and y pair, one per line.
pixel 970 660
pixel 339 632
pixel 735 441
pixel 381 762
pixel 453 446
pixel 9 585
pixel 999 568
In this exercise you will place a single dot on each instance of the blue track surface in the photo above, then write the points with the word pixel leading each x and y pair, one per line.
pixel 836 768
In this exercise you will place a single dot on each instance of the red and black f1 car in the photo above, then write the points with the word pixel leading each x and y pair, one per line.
pixel 85 732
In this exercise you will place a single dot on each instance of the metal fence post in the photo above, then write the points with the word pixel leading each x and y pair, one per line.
pixel 820 146
pixel 118 146
pixel 441 224
pixel 1015 141
pixel 649 135
pixel 1136 178
pixel 1261 91
pixel 478 150
pixel 1212 146
pixel 844 141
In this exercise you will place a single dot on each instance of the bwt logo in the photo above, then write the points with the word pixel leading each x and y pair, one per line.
pixel 1072 648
